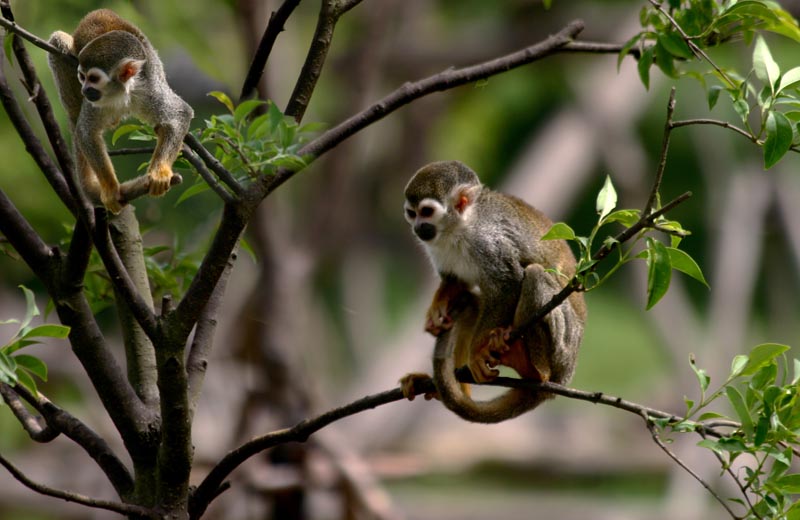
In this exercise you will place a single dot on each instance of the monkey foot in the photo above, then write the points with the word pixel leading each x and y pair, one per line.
pixel 409 382
pixel 488 355
pixel 160 180
pixel 111 201
pixel 438 320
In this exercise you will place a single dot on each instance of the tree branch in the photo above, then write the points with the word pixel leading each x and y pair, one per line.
pixel 679 462
pixel 442 81
pixel 275 26
pixel 117 507
pixel 12 26
pixel 224 175
pixel 212 182
pixel 37 429
pixel 94 445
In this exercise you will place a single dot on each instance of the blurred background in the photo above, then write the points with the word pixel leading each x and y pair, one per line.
pixel 329 306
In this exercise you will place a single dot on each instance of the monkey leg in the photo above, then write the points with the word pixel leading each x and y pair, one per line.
pixel 451 298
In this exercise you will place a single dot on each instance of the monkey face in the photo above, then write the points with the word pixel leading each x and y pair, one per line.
pixel 113 88
pixel 93 82
pixel 424 218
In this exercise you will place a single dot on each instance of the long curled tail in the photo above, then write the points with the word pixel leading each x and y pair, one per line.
pixel 510 404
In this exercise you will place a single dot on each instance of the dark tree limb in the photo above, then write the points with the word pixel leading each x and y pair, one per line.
pixel 409 92
pixel 207 176
pixel 224 175
pixel 329 14
pixel 32 143
pixel 25 240
pixel 275 26
pixel 38 430
pixel 11 26
pixel 117 507
pixel 94 445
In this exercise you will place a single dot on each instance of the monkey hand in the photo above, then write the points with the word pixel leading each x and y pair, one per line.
pixel 409 382
pixel 488 354
pixel 160 179
pixel 437 319
pixel 451 298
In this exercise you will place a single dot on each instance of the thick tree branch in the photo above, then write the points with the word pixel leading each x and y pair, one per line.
pixel 117 507
pixel 25 239
pixel 275 26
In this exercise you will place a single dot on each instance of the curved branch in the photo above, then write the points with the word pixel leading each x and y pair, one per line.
pixel 224 175
pixel 12 26
pixel 117 507
pixel 37 429
pixel 442 81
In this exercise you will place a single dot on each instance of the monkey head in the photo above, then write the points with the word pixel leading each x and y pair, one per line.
pixel 108 66
pixel 438 199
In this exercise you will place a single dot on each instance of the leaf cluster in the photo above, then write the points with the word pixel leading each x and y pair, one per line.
pixel 766 99
pixel 20 368
pixel 661 259
pixel 762 392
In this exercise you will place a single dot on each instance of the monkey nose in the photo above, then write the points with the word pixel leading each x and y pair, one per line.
pixel 92 94
pixel 425 231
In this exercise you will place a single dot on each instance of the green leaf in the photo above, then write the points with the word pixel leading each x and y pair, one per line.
pixel 765 67
pixel 790 78
pixel 742 108
pixel 643 66
pixel 736 399
pixel 713 95
pixel 675 45
pixel 192 191
pixel 627 217
pixel 737 365
pixel 711 415
pixel 684 263
pixel 761 355
pixel 245 108
pixel 8 369
pixel 31 310
pixel 789 483
pixel 665 61
pixel 659 271
pixel 626 48
pixel 27 381
pixel 48 331
pixel 779 138
pixel 124 130
pixel 606 199
pixel 559 231
pixel 33 365
pixel 702 376
pixel 223 98
pixel 8 41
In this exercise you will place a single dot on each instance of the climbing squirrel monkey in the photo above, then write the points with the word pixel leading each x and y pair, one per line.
pixel 119 74
pixel 496 272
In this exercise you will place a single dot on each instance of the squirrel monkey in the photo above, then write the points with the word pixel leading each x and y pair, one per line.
pixel 119 74
pixel 496 272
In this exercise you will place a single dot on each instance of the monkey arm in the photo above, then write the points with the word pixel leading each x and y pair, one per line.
pixel 94 164
pixel 171 127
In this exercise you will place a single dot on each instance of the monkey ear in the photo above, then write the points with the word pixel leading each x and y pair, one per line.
pixel 128 69
pixel 464 196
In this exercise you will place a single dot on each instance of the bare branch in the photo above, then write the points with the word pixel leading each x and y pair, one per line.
pixel 37 429
pixel 117 507
pixel 94 445
pixel 662 163
pixel 597 48
pixel 679 462
pixel 16 29
pixel 275 26
pixel 207 176
pixel 25 239
pixel 723 124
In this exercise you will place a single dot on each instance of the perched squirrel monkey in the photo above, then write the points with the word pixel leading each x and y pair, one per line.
pixel 119 74
pixel 496 272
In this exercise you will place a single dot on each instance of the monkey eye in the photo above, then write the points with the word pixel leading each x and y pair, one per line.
pixel 411 213
pixel 93 78
pixel 426 212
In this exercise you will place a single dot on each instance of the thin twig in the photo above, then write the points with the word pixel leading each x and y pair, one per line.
pixel 679 462
pixel 117 507
pixel 696 50
pixel 16 29
pixel 735 478
pixel 662 163
pixel 723 124
pixel 597 48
